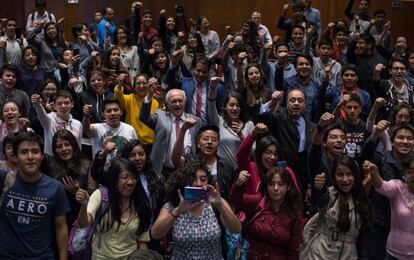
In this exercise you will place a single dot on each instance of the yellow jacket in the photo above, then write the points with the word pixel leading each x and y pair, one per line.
pixel 131 104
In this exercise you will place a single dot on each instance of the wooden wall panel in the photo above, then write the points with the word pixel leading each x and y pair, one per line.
pixel 221 12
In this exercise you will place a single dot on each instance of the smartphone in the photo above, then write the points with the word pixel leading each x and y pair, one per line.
pixel 75 52
pixel 195 193
pixel 18 32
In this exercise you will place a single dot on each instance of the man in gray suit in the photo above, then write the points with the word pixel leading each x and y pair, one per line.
pixel 167 126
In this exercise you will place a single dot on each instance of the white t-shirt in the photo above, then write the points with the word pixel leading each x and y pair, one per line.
pixel 213 170
pixel 104 133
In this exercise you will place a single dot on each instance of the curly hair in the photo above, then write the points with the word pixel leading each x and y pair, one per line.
pixel 183 177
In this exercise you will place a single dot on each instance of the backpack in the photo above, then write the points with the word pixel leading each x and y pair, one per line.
pixel 7 183
pixel 32 16
pixel 237 244
pixel 80 239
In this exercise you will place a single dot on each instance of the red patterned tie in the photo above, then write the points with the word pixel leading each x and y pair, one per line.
pixel 199 93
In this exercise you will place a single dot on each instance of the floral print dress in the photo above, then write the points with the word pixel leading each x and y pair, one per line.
pixel 196 237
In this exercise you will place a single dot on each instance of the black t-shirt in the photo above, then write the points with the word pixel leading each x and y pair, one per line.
pixel 355 137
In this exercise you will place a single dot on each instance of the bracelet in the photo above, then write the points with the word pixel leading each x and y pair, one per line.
pixel 172 215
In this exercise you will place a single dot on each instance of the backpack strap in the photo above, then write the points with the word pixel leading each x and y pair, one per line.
pixel 101 211
pixel 104 203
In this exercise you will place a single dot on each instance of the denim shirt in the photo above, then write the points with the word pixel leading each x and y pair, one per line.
pixel 312 92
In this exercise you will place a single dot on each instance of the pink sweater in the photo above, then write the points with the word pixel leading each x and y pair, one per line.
pixel 400 242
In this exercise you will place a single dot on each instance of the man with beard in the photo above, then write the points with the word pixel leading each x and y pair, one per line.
pixel 395 90
pixel 167 127
pixel 112 130
pixel 207 143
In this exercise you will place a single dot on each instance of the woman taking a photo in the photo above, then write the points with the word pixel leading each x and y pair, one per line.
pixel 195 225
pixel 274 215
pixel 114 70
pixel 344 215
pixel 128 216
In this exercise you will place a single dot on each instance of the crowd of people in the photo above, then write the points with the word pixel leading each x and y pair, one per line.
pixel 164 142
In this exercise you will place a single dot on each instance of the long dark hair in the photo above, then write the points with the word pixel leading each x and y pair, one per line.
pixel 138 198
pixel 261 90
pixel 155 181
pixel 252 40
pixel 182 177
pixel 244 114
pixel 126 31
pixel 358 194
pixel 261 147
pixel 67 136
pixel 292 202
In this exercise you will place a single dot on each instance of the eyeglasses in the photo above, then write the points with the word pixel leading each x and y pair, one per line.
pixel 128 178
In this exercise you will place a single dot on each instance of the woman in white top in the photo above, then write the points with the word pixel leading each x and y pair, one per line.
pixel 233 124
pixel 129 52
pixel 210 38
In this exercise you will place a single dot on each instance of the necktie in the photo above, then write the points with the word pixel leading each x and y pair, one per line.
pixel 199 95
pixel 177 127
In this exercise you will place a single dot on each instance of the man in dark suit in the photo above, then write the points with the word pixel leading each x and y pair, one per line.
pixel 292 130
pixel 167 126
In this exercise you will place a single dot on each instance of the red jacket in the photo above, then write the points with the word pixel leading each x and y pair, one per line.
pixel 243 160
pixel 271 235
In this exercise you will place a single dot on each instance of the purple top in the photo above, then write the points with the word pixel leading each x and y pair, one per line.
pixel 400 242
